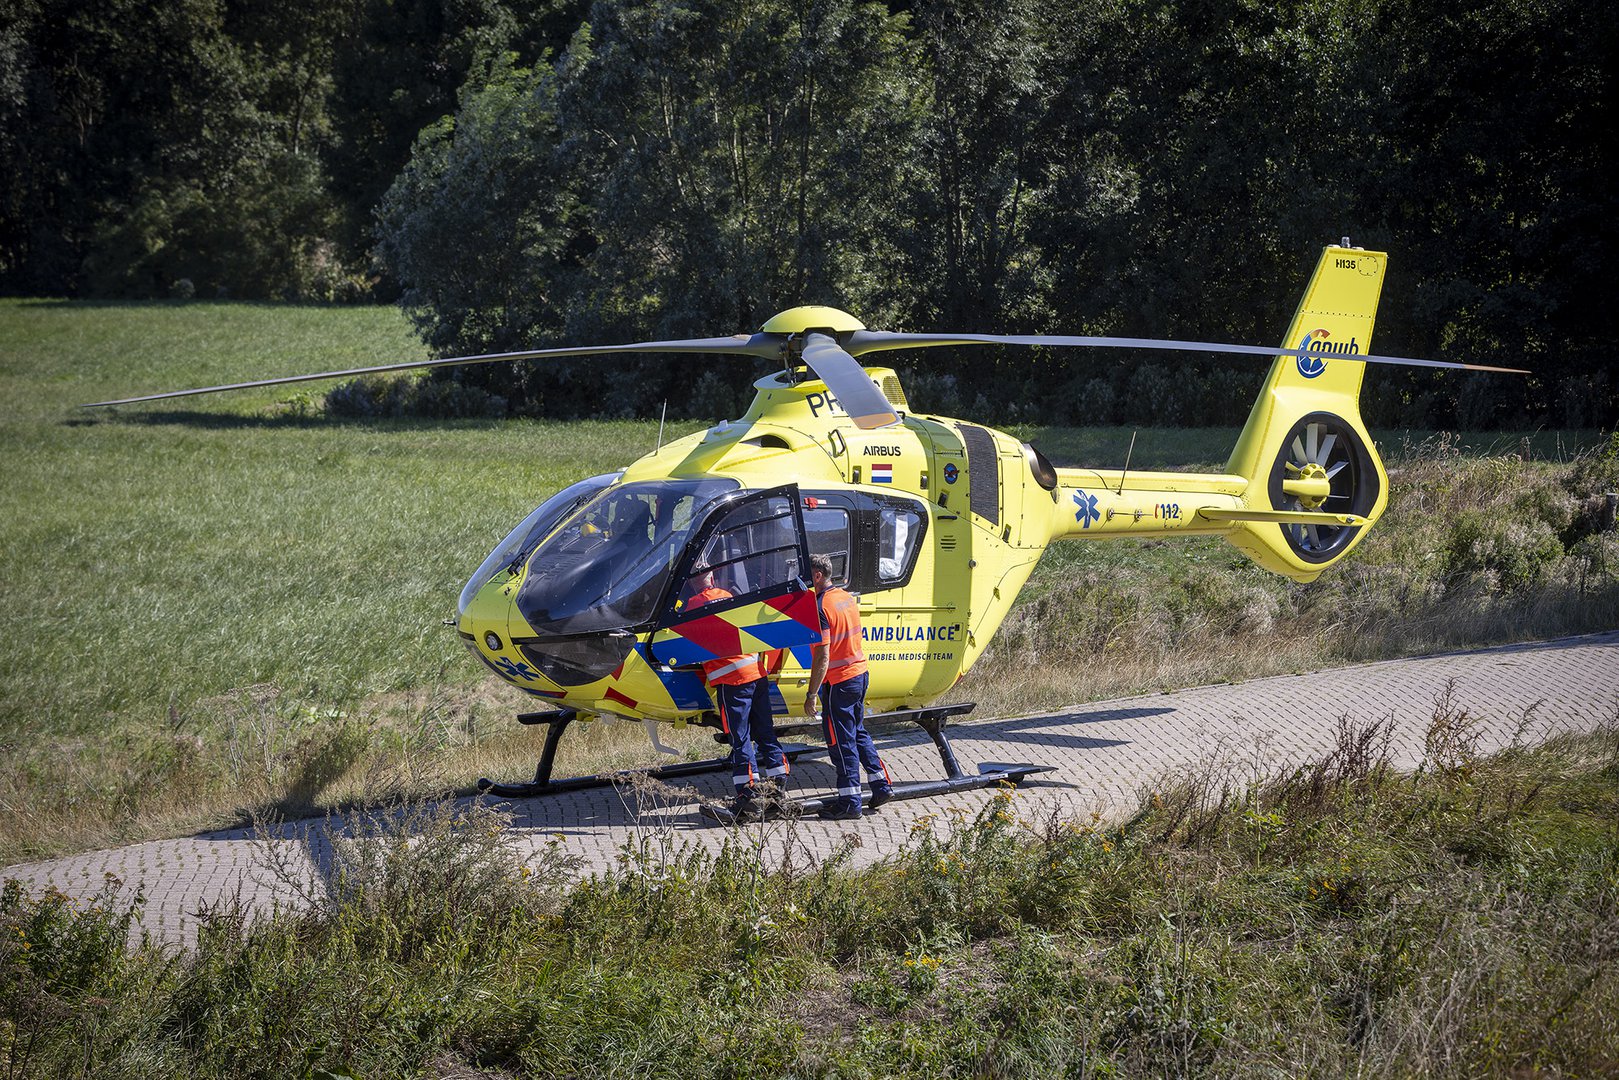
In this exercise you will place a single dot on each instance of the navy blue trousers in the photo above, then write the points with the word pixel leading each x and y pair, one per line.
pixel 843 711
pixel 751 727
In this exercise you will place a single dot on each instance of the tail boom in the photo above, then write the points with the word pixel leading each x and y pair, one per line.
pixel 1097 504
pixel 1304 482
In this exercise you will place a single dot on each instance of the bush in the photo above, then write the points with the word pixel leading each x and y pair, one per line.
pixel 1508 554
pixel 440 397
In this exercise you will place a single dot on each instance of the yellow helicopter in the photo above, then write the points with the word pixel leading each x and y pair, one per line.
pixel 934 523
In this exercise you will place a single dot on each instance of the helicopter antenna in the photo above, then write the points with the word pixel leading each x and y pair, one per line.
pixel 1126 468
pixel 661 417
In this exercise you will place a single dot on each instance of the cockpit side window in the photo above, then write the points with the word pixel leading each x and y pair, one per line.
pixel 754 548
pixel 872 540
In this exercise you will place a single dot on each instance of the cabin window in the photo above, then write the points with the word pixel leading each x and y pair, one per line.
pixel 899 534
pixel 827 530
pixel 755 548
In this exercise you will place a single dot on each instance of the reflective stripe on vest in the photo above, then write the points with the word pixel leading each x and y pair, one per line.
pixel 844 647
pixel 726 669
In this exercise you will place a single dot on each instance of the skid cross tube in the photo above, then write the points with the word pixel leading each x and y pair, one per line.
pixel 556 723
pixel 935 729
pixel 931 720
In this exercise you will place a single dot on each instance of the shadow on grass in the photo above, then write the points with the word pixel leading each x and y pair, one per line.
pixel 616 806
pixel 582 810
pixel 587 812
pixel 608 806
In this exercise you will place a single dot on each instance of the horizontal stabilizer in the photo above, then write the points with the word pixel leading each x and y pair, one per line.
pixel 1280 517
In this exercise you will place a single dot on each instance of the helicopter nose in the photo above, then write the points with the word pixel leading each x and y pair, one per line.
pixel 483 624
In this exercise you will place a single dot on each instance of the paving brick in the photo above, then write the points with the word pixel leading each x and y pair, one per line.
pixel 1103 756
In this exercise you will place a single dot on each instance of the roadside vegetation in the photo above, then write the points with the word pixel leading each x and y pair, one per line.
pixel 220 607
pixel 1339 919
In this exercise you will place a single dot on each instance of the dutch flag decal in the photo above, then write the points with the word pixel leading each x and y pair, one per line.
pixel 882 473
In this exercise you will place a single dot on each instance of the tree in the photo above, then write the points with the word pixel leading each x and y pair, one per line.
pixel 476 226
pixel 705 166
pixel 402 65
pixel 1494 127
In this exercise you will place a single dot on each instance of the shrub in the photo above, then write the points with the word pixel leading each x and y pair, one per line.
pixel 1507 553
pixel 395 398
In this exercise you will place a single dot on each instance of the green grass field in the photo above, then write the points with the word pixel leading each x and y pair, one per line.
pixel 221 604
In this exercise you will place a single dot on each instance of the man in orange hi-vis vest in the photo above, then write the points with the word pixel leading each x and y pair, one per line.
pixel 742 694
pixel 840 660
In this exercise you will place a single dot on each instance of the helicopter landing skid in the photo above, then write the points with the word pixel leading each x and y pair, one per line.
pixel 988 776
pixel 931 720
pixel 557 722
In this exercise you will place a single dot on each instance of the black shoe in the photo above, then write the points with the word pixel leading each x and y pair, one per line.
pixel 749 804
pixel 840 810
pixel 881 794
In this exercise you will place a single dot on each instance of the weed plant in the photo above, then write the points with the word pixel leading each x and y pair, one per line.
pixel 230 606
pixel 1338 919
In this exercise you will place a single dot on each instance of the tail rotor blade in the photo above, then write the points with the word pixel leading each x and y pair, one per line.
pixel 849 383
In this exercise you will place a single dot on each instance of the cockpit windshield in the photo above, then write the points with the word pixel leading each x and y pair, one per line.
pixel 607 565
pixel 521 540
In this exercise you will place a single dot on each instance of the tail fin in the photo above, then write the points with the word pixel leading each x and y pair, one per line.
pixel 1305 446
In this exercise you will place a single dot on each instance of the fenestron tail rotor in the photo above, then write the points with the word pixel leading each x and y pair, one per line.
pixel 1323 466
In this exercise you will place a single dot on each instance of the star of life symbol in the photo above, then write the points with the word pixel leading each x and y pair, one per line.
pixel 515 671
pixel 1087 509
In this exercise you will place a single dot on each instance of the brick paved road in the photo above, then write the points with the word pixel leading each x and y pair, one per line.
pixel 1102 756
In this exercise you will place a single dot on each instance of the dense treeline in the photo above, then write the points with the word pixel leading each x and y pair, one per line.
pixel 223 147
pixel 523 172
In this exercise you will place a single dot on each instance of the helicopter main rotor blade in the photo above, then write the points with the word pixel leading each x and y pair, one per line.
pixel 768 346
pixel 865 341
pixel 849 383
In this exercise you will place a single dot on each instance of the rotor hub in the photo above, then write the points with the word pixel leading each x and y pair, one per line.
pixel 1311 486
pixel 799 320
